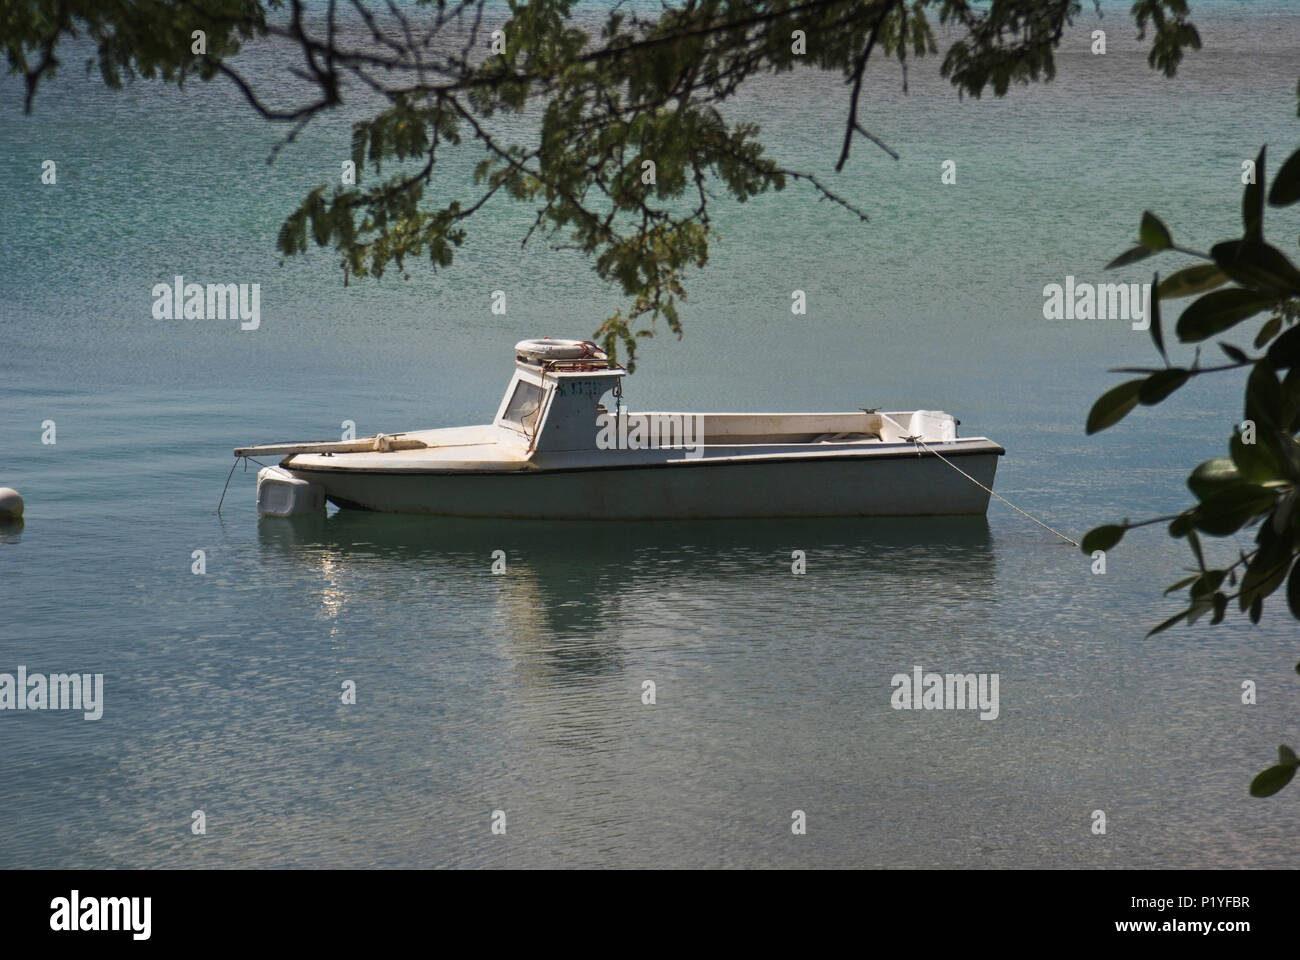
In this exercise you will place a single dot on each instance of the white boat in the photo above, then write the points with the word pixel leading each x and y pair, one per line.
pixel 556 451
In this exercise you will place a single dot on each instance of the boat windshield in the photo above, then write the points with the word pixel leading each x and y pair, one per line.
pixel 524 405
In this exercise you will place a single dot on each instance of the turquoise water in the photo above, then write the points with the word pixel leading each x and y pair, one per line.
pixel 522 692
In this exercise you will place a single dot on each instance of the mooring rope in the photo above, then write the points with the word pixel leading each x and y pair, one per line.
pixel 227 486
pixel 232 473
pixel 921 443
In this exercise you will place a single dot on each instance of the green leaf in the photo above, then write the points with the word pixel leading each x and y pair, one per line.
pixel 1186 581
pixel 1263 395
pixel 1102 538
pixel 1257 265
pixel 1198 279
pixel 1256 461
pixel 1284 512
pixel 1227 509
pixel 1287 450
pixel 1268 331
pixel 1293 594
pixel 1113 405
pixel 1289 417
pixel 1272 780
pixel 1199 608
pixel 1194 542
pixel 1213 475
pixel 1153 234
pixel 1217 311
pixel 1162 627
pixel 1157 331
pixel 1286 755
pixel 1220 601
pixel 1267 569
pixel 1129 256
pixel 1252 202
pixel 1286 185
pixel 1285 351
pixel 1235 354
pixel 1159 385
pixel 1207 583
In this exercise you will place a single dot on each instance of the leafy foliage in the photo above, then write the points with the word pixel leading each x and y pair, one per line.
pixel 145 38
pixel 1257 486
pixel 606 100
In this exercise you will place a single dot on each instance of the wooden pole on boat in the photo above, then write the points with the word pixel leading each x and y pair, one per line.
pixel 379 443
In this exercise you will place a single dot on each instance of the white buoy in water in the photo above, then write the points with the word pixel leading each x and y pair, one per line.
pixel 11 504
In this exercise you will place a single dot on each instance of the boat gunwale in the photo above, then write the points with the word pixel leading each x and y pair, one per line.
pixel 530 468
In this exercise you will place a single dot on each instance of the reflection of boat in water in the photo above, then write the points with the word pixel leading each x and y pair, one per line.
pixel 559 542
pixel 586 578
pixel 555 451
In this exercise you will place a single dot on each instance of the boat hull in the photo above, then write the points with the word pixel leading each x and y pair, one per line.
pixel 873 486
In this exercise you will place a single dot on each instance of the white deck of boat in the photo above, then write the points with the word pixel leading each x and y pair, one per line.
pixel 728 438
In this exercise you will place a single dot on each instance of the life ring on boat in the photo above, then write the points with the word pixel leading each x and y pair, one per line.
pixel 548 349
